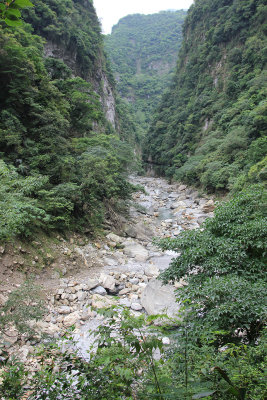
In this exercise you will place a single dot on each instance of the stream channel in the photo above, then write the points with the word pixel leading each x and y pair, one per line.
pixel 128 263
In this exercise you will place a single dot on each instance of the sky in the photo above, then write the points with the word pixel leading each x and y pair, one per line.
pixel 110 11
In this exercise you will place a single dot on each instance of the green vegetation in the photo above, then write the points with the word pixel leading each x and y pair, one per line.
pixel 210 128
pixel 61 160
pixel 10 11
pixel 143 51
pixel 218 344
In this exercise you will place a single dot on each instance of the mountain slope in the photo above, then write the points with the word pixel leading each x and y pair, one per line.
pixel 143 51
pixel 61 160
pixel 210 127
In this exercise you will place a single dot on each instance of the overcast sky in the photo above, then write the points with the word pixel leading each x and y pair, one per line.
pixel 110 11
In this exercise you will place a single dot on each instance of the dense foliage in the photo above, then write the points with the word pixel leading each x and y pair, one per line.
pixel 224 263
pixel 61 160
pixel 210 128
pixel 143 50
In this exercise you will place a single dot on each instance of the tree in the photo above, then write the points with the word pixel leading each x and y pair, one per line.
pixel 10 11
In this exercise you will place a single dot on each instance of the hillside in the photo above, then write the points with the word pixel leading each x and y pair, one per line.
pixel 59 147
pixel 143 52
pixel 210 128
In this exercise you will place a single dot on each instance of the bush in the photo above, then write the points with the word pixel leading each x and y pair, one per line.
pixel 224 262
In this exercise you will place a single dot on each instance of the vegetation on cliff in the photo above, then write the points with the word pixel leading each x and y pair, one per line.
pixel 210 127
pixel 143 51
pixel 61 160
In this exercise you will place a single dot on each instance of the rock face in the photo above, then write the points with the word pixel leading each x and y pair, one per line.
pixel 159 299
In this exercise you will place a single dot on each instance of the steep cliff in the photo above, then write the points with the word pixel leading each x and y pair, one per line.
pixel 62 163
pixel 210 127
pixel 143 51
pixel 73 35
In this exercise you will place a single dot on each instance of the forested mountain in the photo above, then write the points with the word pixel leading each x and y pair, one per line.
pixel 143 51
pixel 210 127
pixel 60 153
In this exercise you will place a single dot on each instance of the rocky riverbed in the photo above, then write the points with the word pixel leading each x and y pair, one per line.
pixel 122 267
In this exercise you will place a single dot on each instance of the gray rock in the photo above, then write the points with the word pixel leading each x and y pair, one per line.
pixel 136 306
pixel 159 299
pixel 71 319
pixel 64 310
pixel 151 270
pixel 125 303
pixel 92 283
pixel 135 250
pixel 209 207
pixel 114 238
pixel 99 290
pixel 134 281
pixel 81 295
pixel 107 281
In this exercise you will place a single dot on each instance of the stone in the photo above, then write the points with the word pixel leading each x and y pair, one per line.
pixel 99 290
pixel 64 310
pixel 115 238
pixel 2 249
pixel 180 284
pixel 159 299
pixel 208 207
pixel 125 303
pixel 124 291
pixel 108 282
pixel 134 281
pixel 136 251
pixel 91 284
pixel 182 187
pixel 10 337
pixel 3 299
pixel 81 295
pixel 152 270
pixel 101 302
pixel 71 319
pixel 166 340
pixel 72 297
pixel 136 306
pixel 168 221
pixel 131 231
pixel 142 285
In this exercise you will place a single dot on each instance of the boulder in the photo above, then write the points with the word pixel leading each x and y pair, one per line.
pixel 139 231
pixel 208 207
pixel 101 302
pixel 152 270
pixel 3 299
pixel 99 290
pixel 81 295
pixel 136 306
pixel 114 238
pixel 71 319
pixel 159 299
pixel 182 187
pixel 136 251
pixel 91 283
pixel 64 310
pixel 125 303
pixel 108 282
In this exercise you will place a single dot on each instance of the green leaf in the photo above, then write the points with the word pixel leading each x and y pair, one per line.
pixel 12 22
pixel 2 7
pixel 13 12
pixel 23 3
pixel 203 394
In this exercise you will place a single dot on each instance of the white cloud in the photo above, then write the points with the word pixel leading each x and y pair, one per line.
pixel 110 11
